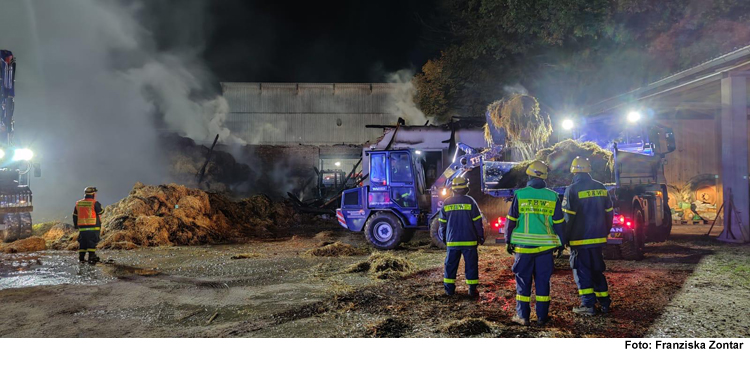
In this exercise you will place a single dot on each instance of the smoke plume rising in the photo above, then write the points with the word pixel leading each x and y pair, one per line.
pixel 92 81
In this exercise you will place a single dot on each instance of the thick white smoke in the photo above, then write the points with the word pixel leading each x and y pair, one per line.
pixel 402 102
pixel 90 84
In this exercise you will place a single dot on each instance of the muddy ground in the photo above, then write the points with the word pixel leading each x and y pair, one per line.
pixel 690 286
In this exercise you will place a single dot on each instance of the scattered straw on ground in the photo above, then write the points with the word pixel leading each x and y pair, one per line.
pixel 32 244
pixel 389 328
pixel 383 265
pixel 336 249
pixel 467 327
pixel 246 255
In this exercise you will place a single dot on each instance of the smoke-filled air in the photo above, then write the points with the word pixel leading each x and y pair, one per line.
pixel 94 93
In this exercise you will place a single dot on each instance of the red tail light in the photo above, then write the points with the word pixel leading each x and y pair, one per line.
pixel 620 219
pixel 499 223
pixel 629 223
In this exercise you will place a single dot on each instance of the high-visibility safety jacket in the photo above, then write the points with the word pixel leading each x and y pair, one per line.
pixel 588 212
pixel 461 222
pixel 86 215
pixel 535 219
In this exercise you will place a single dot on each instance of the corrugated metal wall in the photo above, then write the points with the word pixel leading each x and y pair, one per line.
pixel 282 114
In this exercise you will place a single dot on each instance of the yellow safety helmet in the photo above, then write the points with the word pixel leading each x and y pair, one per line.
pixel 537 169
pixel 459 183
pixel 580 165
pixel 90 190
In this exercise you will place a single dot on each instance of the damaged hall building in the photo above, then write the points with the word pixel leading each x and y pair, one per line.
pixel 316 132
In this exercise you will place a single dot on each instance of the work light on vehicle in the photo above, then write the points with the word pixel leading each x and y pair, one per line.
pixel 23 154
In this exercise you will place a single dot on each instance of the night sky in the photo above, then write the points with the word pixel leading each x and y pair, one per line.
pixel 315 41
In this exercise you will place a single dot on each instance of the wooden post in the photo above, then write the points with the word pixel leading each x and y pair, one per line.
pixel 734 156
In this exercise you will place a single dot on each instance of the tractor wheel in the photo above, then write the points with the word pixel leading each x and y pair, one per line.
pixel 25 227
pixel 612 252
pixel 384 231
pixel 667 230
pixel 434 227
pixel 12 228
pixel 633 250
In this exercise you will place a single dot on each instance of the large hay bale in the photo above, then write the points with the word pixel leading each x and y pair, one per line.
pixel 32 244
pixel 172 214
pixel 526 127
pixel 559 157
pixel 59 231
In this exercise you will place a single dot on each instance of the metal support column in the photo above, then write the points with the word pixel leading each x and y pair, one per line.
pixel 734 157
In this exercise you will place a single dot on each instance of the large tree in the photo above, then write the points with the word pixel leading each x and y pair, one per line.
pixel 569 53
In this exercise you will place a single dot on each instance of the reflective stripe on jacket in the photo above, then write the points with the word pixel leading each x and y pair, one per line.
pixel 86 214
pixel 461 222
pixel 588 212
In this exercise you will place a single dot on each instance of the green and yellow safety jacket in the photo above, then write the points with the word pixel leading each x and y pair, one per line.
pixel 588 212
pixel 535 220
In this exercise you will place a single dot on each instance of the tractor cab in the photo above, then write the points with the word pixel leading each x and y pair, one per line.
pixel 394 203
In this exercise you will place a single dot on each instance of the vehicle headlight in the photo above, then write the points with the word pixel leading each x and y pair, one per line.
pixel 23 154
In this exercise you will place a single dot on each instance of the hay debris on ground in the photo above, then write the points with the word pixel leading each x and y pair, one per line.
pixel 42 228
pixel 246 255
pixel 383 265
pixel 32 244
pixel 467 327
pixel 559 157
pixel 389 328
pixel 336 249
pixel 168 215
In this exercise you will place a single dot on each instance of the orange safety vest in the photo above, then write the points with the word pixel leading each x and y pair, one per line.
pixel 86 214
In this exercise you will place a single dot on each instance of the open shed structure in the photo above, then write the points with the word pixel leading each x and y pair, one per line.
pixel 707 108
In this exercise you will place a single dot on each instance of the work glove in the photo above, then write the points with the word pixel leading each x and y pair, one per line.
pixel 559 251
pixel 510 248
pixel 481 241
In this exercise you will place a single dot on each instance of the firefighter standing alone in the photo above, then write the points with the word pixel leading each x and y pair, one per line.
pixel 535 230
pixel 462 230
pixel 588 215
pixel 87 219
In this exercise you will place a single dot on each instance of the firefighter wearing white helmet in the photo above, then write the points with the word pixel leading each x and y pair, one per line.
pixel 534 232
pixel 87 219
pixel 462 230
pixel 588 219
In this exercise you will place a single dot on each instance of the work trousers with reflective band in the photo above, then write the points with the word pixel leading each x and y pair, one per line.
pixel 537 268
pixel 87 241
pixel 471 266
pixel 588 270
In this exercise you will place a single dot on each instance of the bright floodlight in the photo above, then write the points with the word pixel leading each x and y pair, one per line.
pixel 338 163
pixel 418 152
pixel 634 116
pixel 568 124
pixel 2 154
pixel 23 154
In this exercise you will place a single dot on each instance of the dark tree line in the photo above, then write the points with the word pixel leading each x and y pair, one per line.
pixel 568 53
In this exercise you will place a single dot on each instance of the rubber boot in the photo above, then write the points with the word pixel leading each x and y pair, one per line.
pixel 473 292
pixel 584 310
pixel 543 322
pixel 520 321
pixel 82 257
pixel 93 259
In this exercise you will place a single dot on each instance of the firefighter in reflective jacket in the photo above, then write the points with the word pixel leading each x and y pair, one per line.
pixel 535 230
pixel 588 217
pixel 461 228
pixel 87 219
